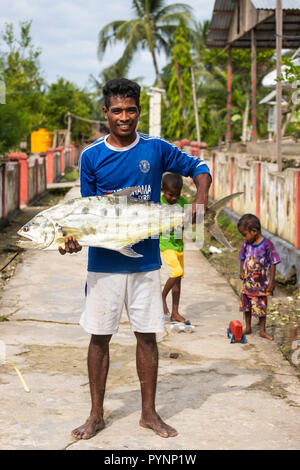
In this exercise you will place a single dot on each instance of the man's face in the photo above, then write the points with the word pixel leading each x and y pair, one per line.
pixel 122 115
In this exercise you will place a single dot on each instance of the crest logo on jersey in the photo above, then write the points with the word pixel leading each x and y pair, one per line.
pixel 144 166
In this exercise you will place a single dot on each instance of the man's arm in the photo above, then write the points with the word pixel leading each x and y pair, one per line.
pixel 202 182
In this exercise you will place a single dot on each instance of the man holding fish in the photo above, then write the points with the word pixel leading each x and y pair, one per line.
pixel 127 159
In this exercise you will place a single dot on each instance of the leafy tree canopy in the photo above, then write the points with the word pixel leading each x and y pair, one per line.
pixel 21 72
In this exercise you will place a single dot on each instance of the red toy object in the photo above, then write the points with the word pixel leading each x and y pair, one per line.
pixel 236 331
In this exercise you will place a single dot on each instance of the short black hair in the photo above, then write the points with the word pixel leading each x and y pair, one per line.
pixel 121 87
pixel 249 222
pixel 172 180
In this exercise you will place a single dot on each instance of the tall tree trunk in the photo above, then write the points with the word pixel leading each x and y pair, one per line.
pixel 182 101
pixel 246 116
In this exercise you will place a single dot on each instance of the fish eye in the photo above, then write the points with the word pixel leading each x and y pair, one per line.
pixel 26 228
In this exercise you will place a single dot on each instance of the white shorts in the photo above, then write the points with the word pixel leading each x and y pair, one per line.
pixel 108 292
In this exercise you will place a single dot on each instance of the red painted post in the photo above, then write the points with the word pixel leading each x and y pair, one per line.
pixel 297 212
pixel 229 97
pixel 213 173
pixel 231 180
pixel 49 165
pixel 22 159
pixel 258 171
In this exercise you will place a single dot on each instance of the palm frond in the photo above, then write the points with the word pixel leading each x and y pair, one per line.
pixel 173 19
pixel 175 8
pixel 107 36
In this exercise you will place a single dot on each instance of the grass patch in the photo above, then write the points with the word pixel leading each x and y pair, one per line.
pixel 52 197
pixel 227 262
pixel 71 175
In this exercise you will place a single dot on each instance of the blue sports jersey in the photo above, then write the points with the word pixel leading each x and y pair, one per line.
pixel 105 169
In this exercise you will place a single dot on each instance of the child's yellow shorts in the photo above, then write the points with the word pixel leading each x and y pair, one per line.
pixel 174 260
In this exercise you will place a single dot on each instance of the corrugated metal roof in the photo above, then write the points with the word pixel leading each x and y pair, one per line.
pixel 271 4
pixel 224 5
pixel 223 13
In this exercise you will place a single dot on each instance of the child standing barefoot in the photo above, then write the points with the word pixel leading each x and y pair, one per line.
pixel 258 258
pixel 172 248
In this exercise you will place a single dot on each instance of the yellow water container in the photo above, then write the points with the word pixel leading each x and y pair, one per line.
pixel 41 140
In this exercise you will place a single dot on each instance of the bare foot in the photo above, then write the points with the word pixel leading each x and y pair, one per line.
pixel 263 334
pixel 89 428
pixel 177 317
pixel 154 422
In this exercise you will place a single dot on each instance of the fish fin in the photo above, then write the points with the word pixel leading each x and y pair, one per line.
pixel 216 232
pixel 128 251
pixel 217 206
pixel 70 231
pixel 125 192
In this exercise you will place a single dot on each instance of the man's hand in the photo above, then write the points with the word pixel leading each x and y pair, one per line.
pixel 71 246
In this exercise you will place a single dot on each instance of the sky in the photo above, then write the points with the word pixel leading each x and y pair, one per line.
pixel 67 33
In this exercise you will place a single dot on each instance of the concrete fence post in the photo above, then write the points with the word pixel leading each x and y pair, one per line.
pixel 213 175
pixel 297 211
pixel 231 179
pixel 61 149
pixel 3 191
pixel 72 155
pixel 22 159
pixel 258 173
pixel 36 176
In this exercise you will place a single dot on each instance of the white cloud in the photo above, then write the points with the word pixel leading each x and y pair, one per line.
pixel 67 32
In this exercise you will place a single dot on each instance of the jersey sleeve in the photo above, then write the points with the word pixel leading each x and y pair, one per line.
pixel 87 176
pixel 178 161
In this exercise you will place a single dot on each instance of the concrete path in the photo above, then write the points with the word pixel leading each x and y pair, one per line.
pixel 216 394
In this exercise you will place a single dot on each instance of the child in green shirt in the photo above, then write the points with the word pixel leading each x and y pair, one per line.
pixel 172 248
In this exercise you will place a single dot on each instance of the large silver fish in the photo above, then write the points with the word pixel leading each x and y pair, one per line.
pixel 115 221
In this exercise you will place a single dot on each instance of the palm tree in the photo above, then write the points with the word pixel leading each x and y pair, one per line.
pixel 151 29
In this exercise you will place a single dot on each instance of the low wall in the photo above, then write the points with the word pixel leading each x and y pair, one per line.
pixel 271 195
pixel 23 177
